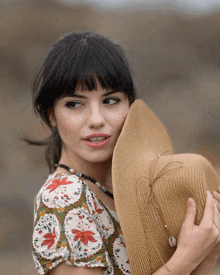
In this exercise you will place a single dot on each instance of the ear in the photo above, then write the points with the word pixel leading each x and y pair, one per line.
pixel 52 118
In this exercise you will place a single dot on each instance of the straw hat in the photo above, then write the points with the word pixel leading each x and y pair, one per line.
pixel 151 186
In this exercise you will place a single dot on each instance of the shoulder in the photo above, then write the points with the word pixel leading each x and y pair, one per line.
pixel 60 191
pixel 66 225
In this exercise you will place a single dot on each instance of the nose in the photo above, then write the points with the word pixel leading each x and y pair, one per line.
pixel 96 117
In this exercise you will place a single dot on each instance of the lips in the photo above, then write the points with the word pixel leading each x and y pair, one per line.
pixel 96 137
pixel 97 140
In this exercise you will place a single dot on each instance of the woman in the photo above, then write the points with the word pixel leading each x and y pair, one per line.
pixel 83 93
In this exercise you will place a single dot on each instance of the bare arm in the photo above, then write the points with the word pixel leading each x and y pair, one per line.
pixel 209 262
pixel 65 269
pixel 195 242
pixel 194 245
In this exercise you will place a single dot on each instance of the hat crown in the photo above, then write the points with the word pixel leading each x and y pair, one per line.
pixel 138 172
pixel 143 131
pixel 142 134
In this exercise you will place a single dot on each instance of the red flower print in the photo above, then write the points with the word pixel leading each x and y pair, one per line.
pixel 99 211
pixel 56 183
pixel 84 236
pixel 40 232
pixel 49 239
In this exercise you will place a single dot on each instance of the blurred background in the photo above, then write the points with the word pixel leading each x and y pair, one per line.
pixel 174 51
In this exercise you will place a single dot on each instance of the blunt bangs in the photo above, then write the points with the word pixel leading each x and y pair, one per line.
pixel 81 58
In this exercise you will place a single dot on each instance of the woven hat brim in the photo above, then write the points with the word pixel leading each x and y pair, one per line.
pixel 142 133
pixel 135 167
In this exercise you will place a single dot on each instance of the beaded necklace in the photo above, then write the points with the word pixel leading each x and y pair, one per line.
pixel 103 188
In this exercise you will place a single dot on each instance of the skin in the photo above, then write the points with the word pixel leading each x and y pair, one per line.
pixel 84 114
pixel 197 250
pixel 89 112
pixel 197 245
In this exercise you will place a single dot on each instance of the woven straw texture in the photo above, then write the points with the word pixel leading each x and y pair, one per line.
pixel 169 180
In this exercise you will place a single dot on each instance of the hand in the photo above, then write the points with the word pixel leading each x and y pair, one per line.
pixel 196 242
pixel 210 261
pixel 216 196
pixel 208 264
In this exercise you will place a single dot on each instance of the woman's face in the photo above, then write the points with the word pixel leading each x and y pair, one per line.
pixel 89 123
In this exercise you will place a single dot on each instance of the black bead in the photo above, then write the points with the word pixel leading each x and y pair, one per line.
pixel 85 177
pixel 109 194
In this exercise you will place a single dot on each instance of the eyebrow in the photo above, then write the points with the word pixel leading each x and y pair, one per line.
pixel 103 95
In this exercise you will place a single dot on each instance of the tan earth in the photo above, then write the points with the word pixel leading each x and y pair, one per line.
pixel 174 57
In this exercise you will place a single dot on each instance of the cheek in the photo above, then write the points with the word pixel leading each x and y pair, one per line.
pixel 67 128
pixel 120 119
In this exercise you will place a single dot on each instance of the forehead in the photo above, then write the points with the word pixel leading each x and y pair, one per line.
pixel 93 86
pixel 81 87
pixel 96 93
pixel 98 89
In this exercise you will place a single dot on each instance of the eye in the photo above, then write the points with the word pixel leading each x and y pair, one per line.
pixel 111 100
pixel 73 104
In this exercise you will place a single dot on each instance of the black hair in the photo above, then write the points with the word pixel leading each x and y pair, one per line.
pixel 78 58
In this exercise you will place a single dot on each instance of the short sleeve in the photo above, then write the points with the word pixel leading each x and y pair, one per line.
pixel 64 228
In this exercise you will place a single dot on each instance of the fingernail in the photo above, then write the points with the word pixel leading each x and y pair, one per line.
pixel 209 196
pixel 190 202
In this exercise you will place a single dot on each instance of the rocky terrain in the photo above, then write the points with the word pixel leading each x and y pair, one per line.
pixel 174 58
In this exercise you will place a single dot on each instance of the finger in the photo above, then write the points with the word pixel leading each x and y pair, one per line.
pixel 209 210
pixel 217 204
pixel 190 213
pixel 216 221
pixel 216 215
pixel 216 195
pixel 219 226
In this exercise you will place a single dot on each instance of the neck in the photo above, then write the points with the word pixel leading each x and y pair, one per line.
pixel 100 171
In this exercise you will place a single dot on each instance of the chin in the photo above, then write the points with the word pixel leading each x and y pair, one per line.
pixel 99 158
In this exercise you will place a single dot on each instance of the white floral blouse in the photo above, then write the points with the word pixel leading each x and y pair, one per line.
pixel 72 225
